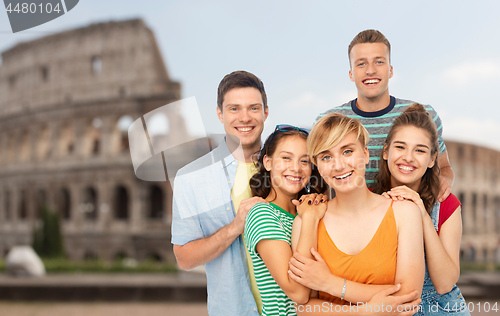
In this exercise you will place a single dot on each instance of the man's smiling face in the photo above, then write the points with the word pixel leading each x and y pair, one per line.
pixel 370 69
pixel 243 115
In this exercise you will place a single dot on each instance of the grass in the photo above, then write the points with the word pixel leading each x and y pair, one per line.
pixel 61 265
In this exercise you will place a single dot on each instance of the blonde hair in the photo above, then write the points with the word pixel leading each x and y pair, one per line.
pixel 330 130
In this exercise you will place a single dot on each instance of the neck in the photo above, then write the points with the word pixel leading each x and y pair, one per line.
pixel 373 104
pixel 354 202
pixel 243 153
pixel 283 201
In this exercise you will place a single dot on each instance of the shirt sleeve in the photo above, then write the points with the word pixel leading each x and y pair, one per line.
pixel 186 224
pixel 447 208
pixel 262 222
pixel 439 127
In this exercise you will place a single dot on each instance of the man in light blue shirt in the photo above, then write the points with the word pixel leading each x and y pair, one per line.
pixel 206 229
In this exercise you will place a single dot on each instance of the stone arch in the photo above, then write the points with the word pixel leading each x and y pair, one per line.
pixel 23 204
pixel 119 134
pixel 41 202
pixel 43 143
pixel 64 204
pixel 24 148
pixel 90 203
pixel 7 205
pixel 92 137
pixel 11 149
pixel 156 205
pixel 66 140
pixel 121 203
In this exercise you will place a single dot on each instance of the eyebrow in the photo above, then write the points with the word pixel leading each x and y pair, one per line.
pixel 238 105
pixel 348 145
pixel 418 145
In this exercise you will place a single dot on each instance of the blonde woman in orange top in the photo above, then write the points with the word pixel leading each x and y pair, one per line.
pixel 372 246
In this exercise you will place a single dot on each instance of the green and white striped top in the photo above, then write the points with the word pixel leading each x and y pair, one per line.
pixel 378 125
pixel 269 221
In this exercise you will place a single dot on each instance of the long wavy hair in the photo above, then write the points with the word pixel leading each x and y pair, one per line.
pixel 260 183
pixel 416 116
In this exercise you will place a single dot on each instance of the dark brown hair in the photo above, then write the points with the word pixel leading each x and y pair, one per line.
pixel 240 79
pixel 369 36
pixel 416 116
pixel 260 183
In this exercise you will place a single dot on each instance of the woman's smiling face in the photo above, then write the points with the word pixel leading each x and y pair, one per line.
pixel 343 166
pixel 408 156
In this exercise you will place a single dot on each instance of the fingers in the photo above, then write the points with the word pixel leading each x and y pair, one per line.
pixel 297 256
pixel 409 308
pixel 295 277
pixel 407 298
pixel 386 195
pixel 391 290
pixel 294 268
pixel 316 255
pixel 445 194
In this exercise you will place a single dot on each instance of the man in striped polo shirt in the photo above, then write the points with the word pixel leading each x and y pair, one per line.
pixel 369 56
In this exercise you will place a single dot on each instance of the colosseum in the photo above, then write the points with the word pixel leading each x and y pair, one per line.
pixel 66 101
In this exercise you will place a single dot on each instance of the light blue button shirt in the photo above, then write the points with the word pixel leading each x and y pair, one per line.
pixel 201 206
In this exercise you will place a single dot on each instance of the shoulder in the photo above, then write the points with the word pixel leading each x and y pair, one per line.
pixel 260 210
pixel 406 212
pixel 451 202
pixel 342 109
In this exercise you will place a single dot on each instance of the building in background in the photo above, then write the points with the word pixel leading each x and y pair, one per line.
pixel 66 101
pixel 477 185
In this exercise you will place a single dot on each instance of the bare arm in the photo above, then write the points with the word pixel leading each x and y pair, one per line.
pixel 443 250
pixel 276 253
pixel 410 268
pixel 447 176
pixel 201 251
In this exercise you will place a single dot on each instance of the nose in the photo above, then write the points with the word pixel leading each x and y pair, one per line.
pixel 370 69
pixel 244 116
pixel 408 156
pixel 338 164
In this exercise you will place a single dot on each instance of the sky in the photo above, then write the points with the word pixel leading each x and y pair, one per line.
pixel 444 53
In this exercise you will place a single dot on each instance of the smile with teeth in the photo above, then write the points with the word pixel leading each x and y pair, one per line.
pixel 406 168
pixel 371 81
pixel 343 176
pixel 293 179
pixel 244 129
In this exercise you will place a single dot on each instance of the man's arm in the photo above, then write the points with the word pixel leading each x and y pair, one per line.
pixel 201 251
pixel 446 178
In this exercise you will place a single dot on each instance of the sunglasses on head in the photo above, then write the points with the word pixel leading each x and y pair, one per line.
pixel 289 128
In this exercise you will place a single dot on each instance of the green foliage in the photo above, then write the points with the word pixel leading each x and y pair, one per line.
pixel 61 265
pixel 47 239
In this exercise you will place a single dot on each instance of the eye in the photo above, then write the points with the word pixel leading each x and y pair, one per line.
pixel 255 108
pixel 233 109
pixel 379 62
pixel 286 158
pixel 399 147
pixel 361 64
pixel 305 161
pixel 347 151
pixel 421 151
pixel 326 158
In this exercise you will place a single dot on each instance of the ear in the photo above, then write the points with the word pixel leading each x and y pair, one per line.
pixel 367 155
pixel 432 161
pixel 384 152
pixel 391 73
pixel 351 76
pixel 219 115
pixel 266 113
pixel 267 163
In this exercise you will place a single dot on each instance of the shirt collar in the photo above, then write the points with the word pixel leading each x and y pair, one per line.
pixel 225 153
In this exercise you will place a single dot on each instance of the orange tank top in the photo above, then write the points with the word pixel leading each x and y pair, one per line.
pixel 375 264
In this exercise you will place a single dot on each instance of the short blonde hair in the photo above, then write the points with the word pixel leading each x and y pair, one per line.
pixel 330 130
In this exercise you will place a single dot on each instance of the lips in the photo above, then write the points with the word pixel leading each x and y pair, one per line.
pixel 371 81
pixel 245 129
pixel 406 168
pixel 294 179
pixel 344 176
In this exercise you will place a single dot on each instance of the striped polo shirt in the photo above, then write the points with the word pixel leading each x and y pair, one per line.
pixel 378 125
pixel 269 221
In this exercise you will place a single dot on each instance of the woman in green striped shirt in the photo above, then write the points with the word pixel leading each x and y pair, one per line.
pixel 284 171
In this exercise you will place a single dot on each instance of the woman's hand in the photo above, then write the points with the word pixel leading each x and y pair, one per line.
pixel 314 204
pixel 309 272
pixel 403 192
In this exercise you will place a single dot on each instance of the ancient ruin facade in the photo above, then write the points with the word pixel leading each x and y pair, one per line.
pixel 66 101
pixel 477 185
